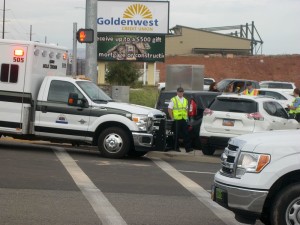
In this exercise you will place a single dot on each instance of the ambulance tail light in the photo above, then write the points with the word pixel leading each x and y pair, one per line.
pixel 19 52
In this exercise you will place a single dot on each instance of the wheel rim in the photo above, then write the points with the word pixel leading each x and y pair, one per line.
pixel 113 143
pixel 293 212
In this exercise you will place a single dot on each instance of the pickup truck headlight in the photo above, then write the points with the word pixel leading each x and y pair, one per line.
pixel 251 163
pixel 142 121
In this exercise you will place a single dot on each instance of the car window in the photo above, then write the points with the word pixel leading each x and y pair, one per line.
pixel 272 94
pixel 205 100
pixel 275 109
pixel 164 99
pixel 270 108
pixel 59 91
pixel 234 105
pixel 280 111
pixel 208 81
pixel 277 85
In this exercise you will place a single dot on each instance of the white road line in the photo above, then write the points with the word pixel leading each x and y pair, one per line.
pixel 225 215
pixel 102 207
pixel 187 171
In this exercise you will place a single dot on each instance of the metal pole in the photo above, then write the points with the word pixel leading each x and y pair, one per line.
pixel 91 49
pixel 74 55
pixel 3 23
pixel 30 33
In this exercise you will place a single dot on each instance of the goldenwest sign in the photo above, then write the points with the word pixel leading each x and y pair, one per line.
pixel 133 17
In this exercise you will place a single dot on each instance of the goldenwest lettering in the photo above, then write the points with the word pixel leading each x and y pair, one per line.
pixel 123 22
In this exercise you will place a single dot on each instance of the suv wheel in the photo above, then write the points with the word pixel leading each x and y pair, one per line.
pixel 208 150
pixel 285 210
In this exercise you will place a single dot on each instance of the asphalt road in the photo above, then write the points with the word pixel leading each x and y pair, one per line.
pixel 57 184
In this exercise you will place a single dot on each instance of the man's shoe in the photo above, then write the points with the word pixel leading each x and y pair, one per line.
pixel 189 150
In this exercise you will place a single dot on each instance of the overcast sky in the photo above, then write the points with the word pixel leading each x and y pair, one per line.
pixel 277 21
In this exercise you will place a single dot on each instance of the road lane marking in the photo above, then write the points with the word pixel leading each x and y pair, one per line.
pixel 102 207
pixel 187 171
pixel 225 215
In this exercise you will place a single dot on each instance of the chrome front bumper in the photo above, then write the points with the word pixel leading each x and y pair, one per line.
pixel 142 140
pixel 236 198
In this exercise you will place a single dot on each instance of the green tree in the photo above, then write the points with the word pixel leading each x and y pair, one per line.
pixel 122 73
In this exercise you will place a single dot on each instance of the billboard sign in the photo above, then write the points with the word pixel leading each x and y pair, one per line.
pixel 133 17
pixel 131 47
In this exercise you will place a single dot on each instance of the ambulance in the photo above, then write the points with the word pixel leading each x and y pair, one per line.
pixel 38 101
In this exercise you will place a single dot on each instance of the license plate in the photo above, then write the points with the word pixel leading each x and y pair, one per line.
pixel 228 122
pixel 220 195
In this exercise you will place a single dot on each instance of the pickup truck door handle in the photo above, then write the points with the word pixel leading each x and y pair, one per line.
pixel 44 109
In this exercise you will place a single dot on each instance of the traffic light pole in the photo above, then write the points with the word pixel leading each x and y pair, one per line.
pixel 74 55
pixel 91 49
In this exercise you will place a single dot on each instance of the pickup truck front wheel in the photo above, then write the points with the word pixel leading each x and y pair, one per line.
pixel 114 143
pixel 286 210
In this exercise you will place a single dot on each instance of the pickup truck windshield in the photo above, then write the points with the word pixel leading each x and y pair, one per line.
pixel 93 91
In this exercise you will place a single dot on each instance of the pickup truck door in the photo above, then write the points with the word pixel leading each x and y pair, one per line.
pixel 55 118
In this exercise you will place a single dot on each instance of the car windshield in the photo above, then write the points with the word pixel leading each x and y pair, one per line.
pixel 234 105
pixel 94 92
pixel 223 84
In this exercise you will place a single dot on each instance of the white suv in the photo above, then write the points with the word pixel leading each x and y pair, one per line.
pixel 282 86
pixel 232 115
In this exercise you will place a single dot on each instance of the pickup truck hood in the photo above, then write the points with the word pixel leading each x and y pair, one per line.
pixel 267 140
pixel 131 108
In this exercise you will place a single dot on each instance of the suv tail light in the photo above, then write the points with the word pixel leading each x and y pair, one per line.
pixel 207 112
pixel 193 108
pixel 255 116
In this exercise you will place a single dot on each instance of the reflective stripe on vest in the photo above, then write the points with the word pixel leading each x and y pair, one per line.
pixel 179 109
pixel 254 92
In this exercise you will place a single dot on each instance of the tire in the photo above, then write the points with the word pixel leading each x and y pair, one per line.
pixel 135 154
pixel 286 208
pixel 114 143
pixel 208 150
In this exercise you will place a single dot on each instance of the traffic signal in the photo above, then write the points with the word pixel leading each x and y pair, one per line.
pixel 85 35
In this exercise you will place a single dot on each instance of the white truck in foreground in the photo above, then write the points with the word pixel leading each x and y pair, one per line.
pixel 260 177
pixel 39 102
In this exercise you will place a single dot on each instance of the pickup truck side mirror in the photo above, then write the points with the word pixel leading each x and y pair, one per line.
pixel 73 100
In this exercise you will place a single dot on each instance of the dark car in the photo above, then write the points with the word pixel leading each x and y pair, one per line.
pixel 198 101
pixel 239 85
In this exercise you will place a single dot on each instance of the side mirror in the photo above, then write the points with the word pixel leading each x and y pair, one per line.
pixel 73 100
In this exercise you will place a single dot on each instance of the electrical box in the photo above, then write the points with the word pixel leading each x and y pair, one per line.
pixel 189 77
pixel 120 93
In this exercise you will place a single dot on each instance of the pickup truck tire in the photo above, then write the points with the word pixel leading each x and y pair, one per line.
pixel 286 209
pixel 114 142
pixel 208 150
pixel 133 153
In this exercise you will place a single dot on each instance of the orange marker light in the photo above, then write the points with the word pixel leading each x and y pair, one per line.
pixel 19 52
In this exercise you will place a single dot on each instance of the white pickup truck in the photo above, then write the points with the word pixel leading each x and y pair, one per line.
pixel 260 178
pixel 39 102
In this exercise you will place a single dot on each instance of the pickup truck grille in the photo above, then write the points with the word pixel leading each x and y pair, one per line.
pixel 159 132
pixel 228 160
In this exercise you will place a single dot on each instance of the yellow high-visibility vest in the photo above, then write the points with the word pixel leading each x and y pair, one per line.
pixel 179 109
pixel 254 92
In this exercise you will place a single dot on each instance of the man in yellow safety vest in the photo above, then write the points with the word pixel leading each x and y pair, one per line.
pixel 294 108
pixel 178 112
pixel 250 90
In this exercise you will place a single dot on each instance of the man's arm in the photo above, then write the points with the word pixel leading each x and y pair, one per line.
pixel 170 111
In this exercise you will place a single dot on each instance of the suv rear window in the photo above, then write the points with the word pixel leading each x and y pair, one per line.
pixel 234 105
pixel 277 85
